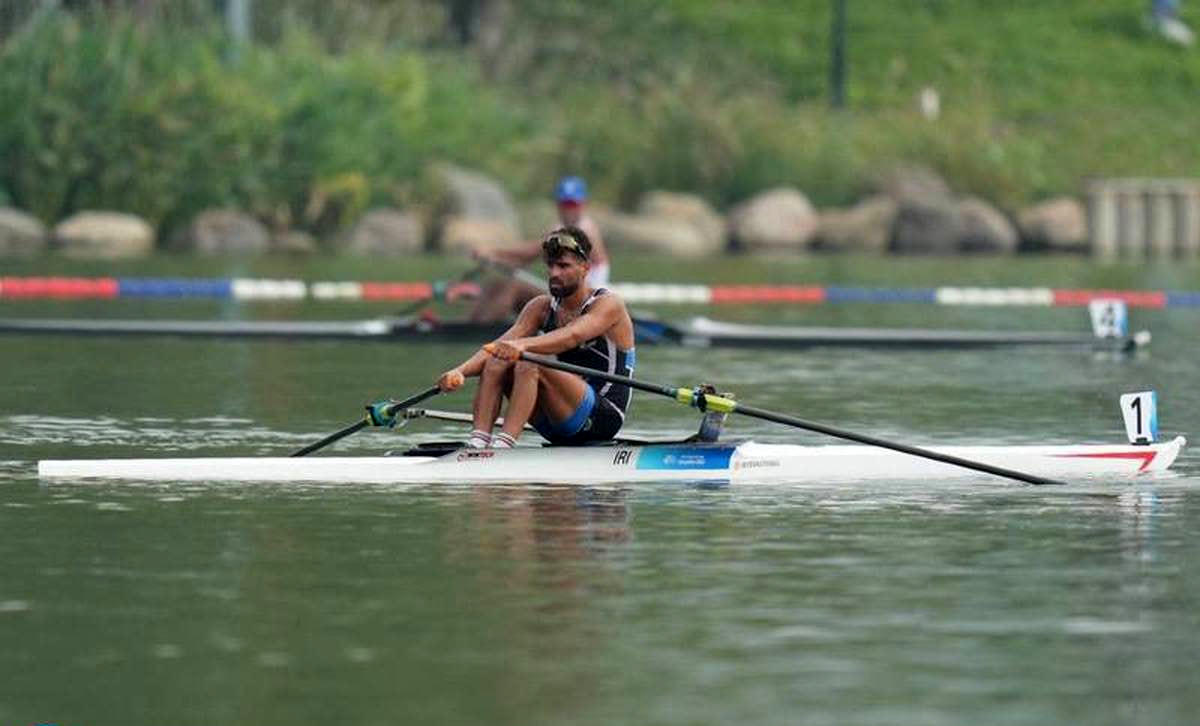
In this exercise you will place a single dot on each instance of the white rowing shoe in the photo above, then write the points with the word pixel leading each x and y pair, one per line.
pixel 747 462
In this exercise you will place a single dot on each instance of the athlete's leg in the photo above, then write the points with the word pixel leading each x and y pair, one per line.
pixel 494 382
pixel 554 394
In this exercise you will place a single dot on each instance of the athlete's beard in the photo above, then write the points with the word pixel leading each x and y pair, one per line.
pixel 563 291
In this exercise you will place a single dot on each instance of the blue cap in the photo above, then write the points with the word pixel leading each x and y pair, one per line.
pixel 571 189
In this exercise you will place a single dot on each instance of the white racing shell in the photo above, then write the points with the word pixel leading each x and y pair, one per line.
pixel 746 462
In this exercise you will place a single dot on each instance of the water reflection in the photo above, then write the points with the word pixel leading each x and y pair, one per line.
pixel 544 531
pixel 1138 510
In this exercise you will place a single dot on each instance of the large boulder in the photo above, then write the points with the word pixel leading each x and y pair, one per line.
pixel 643 233
pixel 1056 225
pixel 21 234
pixel 294 242
pixel 463 234
pixel 928 219
pixel 462 194
pixel 387 232
pixel 931 226
pixel 777 220
pixel 986 229
pixel 691 209
pixel 538 216
pixel 106 235
pixel 912 183
pixel 224 232
pixel 865 227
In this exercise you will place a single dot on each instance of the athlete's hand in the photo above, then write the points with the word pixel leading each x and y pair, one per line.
pixel 451 380
pixel 482 254
pixel 463 291
pixel 509 350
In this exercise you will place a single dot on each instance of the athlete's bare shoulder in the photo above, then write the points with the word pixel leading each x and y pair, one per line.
pixel 590 228
pixel 610 297
pixel 539 304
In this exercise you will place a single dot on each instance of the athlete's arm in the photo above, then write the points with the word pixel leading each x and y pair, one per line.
pixel 526 325
pixel 604 314
pixel 599 250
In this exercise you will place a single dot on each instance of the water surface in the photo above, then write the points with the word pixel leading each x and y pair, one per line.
pixel 968 601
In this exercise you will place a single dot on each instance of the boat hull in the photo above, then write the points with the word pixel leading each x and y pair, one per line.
pixel 748 462
pixel 697 332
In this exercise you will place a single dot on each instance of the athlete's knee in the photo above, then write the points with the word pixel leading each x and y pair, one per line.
pixel 525 369
pixel 496 367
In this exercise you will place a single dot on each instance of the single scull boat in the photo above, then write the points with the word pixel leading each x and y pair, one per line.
pixel 698 458
pixel 746 462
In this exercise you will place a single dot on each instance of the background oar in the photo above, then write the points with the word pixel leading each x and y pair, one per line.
pixel 728 405
pixel 515 272
pixel 441 290
pixel 391 410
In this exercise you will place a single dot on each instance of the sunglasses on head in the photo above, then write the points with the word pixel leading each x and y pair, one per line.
pixel 556 244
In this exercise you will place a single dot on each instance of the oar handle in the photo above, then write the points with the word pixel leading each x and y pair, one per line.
pixel 391 410
pixel 718 403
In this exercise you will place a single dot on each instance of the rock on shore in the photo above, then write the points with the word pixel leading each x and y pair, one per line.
pixel 21 234
pixel 104 235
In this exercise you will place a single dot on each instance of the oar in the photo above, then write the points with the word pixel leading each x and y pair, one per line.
pixel 515 272
pixel 709 402
pixel 390 410
pixel 416 305
pixel 454 416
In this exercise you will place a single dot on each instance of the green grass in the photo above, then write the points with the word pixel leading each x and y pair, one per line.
pixel 343 105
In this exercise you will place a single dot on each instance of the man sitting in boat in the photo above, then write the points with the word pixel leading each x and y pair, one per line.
pixel 506 296
pixel 580 324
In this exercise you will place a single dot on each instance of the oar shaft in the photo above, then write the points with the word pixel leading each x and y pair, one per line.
pixel 734 407
pixel 330 439
pixel 893 445
pixel 391 411
pixel 515 272
pixel 602 375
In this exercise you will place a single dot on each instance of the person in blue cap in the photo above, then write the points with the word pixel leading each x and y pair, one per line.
pixel 506 298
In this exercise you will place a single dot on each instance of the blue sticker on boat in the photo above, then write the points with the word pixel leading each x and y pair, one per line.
pixel 685 458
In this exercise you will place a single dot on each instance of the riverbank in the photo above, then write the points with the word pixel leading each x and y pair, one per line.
pixel 317 122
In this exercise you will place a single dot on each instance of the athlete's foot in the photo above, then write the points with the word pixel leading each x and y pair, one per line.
pixel 479 440
pixel 503 441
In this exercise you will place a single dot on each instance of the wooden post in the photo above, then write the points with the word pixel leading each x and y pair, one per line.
pixel 1140 218
pixel 1189 222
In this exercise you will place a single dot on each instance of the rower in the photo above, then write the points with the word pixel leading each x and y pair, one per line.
pixel 581 324
pixel 507 296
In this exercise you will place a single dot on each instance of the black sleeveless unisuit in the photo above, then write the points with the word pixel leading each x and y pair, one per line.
pixel 601 354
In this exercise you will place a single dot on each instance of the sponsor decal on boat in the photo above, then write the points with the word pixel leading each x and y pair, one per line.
pixel 480 455
pixel 680 457
pixel 623 457
pixel 756 463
